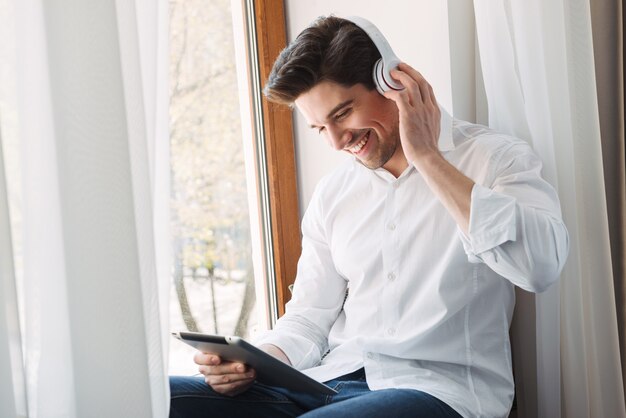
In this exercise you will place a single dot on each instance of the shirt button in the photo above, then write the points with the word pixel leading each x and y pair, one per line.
pixel 370 356
pixel 391 226
pixel 391 331
pixel 391 277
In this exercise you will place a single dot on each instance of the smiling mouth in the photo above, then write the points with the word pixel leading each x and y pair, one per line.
pixel 356 149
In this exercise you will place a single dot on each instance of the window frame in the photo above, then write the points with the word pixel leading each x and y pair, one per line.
pixel 271 38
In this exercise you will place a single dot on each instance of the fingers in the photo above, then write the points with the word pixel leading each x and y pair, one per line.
pixel 225 368
pixel 417 89
pixel 229 384
pixel 213 365
pixel 213 378
pixel 411 94
pixel 412 72
pixel 206 359
pixel 234 388
pixel 425 89
pixel 228 379
pixel 225 377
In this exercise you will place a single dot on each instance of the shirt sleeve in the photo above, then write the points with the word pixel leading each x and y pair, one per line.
pixel 318 293
pixel 515 222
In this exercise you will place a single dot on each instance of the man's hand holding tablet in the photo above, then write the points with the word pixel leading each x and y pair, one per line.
pixel 230 365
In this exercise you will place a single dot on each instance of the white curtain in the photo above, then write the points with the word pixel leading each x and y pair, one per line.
pixel 84 101
pixel 537 64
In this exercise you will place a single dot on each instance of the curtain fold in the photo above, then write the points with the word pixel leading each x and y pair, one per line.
pixel 143 35
pixel 608 43
pixel 93 141
pixel 12 385
pixel 538 69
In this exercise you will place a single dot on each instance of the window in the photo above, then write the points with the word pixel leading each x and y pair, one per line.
pixel 232 173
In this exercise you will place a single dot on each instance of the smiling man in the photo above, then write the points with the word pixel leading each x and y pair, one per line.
pixel 411 251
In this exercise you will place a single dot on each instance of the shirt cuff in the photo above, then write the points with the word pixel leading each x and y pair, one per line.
pixel 292 347
pixel 492 221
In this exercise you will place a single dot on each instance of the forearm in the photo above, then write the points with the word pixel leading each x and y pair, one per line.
pixel 452 188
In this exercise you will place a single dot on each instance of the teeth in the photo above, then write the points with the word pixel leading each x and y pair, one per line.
pixel 355 149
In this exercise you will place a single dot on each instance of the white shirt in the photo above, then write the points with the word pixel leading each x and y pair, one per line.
pixel 427 307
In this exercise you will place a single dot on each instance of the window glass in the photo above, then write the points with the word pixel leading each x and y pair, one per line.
pixel 213 286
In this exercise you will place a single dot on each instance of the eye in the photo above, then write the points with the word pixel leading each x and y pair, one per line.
pixel 343 114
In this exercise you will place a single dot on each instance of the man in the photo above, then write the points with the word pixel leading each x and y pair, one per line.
pixel 411 251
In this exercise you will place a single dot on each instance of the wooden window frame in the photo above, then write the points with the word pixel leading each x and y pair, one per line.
pixel 280 154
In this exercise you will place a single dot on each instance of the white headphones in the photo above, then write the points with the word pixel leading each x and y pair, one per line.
pixel 388 60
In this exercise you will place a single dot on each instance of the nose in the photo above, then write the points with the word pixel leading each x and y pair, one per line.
pixel 338 138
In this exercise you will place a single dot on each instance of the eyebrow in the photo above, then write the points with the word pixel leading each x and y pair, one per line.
pixel 336 109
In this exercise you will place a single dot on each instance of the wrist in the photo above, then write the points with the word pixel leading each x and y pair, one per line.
pixel 276 351
pixel 427 158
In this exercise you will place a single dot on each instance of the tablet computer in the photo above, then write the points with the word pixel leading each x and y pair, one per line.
pixel 269 369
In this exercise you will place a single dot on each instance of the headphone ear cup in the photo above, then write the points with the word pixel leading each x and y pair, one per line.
pixel 382 78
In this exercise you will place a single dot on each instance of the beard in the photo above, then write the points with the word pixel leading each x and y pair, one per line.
pixel 387 148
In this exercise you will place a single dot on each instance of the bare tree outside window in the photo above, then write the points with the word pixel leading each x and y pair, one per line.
pixel 213 281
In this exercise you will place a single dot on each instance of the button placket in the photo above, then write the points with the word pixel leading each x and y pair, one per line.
pixel 389 266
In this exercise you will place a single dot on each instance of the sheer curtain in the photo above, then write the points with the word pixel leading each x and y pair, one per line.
pixel 88 112
pixel 607 17
pixel 538 68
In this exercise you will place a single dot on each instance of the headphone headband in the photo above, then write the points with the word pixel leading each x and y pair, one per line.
pixel 388 61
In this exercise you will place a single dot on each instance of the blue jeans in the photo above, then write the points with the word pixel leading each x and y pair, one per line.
pixel 192 397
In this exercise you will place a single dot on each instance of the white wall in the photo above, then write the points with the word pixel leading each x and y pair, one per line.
pixel 417 30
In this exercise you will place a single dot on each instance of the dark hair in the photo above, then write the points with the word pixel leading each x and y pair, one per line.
pixel 330 49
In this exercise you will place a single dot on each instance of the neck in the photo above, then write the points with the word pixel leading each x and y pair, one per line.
pixel 397 163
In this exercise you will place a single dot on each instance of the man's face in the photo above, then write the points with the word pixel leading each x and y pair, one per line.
pixel 356 120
